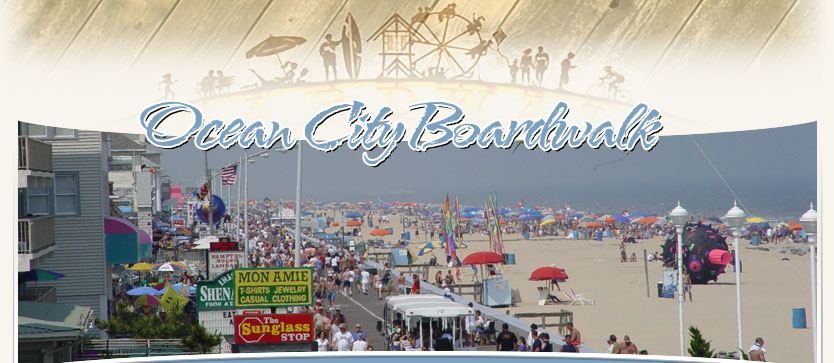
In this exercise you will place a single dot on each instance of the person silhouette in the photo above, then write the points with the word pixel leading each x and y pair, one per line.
pixel 514 71
pixel 566 67
pixel 328 56
pixel 166 80
pixel 526 64
pixel 421 16
pixel 542 62
pixel 207 84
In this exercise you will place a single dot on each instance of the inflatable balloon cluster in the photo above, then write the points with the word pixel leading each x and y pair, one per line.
pixel 705 252
pixel 217 209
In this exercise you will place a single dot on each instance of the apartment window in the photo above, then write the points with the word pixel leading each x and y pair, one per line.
pixel 36 130
pixel 60 133
pixel 38 195
pixel 67 196
pixel 48 132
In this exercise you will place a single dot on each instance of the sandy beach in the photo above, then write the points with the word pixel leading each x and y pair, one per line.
pixel 771 288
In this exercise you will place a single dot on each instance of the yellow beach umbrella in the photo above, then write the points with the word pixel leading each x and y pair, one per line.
pixel 142 266
pixel 546 222
pixel 756 220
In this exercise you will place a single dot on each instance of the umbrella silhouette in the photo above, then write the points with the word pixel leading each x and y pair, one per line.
pixel 273 46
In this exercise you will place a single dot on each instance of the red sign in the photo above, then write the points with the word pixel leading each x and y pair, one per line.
pixel 273 328
pixel 223 246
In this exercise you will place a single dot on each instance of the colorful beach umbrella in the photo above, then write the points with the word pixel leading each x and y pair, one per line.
pixel 145 300
pixel 167 267
pixel 334 224
pixel 428 247
pixel 353 223
pixel 756 220
pixel 548 273
pixel 594 225
pixel 37 275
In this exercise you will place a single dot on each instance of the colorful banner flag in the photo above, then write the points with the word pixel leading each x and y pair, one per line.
pixel 450 240
pixel 499 247
pixel 489 227
pixel 228 175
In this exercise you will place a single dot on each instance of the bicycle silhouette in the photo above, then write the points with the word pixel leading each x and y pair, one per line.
pixel 604 90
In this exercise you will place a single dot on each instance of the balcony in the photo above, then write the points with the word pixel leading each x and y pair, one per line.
pixel 35 235
pixel 33 154
pixel 38 294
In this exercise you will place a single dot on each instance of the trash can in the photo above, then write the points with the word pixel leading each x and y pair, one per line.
pixel 660 289
pixel 575 235
pixel 407 236
pixel 509 258
pixel 755 241
pixel 526 235
pixel 799 318
pixel 607 233
pixel 599 236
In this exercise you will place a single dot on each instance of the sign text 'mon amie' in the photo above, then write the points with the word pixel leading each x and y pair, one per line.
pixel 257 288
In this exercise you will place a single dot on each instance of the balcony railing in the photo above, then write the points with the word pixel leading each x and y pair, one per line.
pixel 33 154
pixel 35 234
pixel 38 294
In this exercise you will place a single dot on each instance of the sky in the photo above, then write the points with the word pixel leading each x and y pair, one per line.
pixel 771 172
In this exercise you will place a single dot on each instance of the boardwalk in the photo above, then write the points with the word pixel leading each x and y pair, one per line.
pixel 366 311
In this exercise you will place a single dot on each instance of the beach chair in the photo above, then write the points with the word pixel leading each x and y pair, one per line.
pixel 546 299
pixel 578 298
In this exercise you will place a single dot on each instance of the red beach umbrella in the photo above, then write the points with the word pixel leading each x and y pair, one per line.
pixel 481 258
pixel 548 273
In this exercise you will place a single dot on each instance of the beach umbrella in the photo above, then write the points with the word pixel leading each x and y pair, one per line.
pixel 547 274
pixel 547 222
pixel 353 215
pixel 647 220
pixel 167 267
pixel 380 232
pixel 502 221
pixel 334 224
pixel 428 247
pixel 37 275
pixel 756 220
pixel 480 258
pixel 144 290
pixel 141 266
pixel 594 225
pixel 587 218
pixel 715 219
pixel 353 223
pixel 145 300
pixel 795 226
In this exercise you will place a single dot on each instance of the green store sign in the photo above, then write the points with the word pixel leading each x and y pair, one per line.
pixel 257 288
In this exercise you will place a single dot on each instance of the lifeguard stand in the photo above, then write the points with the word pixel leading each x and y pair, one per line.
pixel 398 37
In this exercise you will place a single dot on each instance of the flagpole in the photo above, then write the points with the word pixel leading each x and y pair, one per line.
pixel 237 207
pixel 246 211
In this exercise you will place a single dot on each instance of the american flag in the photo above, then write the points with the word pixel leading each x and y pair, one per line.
pixel 228 175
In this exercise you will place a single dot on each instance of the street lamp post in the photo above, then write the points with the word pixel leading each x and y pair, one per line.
pixel 267 204
pixel 246 210
pixel 809 225
pixel 679 217
pixel 735 218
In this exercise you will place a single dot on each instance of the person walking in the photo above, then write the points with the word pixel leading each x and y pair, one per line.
pixel 506 341
pixel 566 67
pixel 542 62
